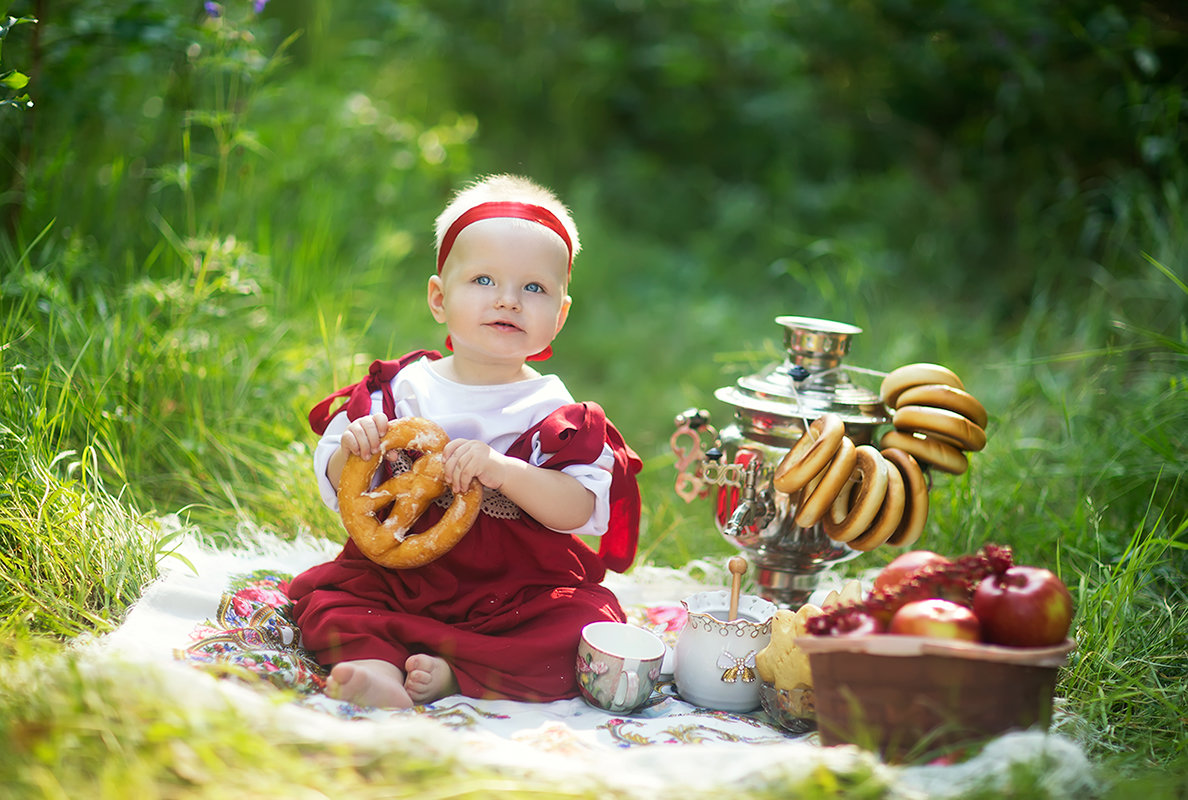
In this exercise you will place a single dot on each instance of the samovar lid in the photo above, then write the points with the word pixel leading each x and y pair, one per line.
pixel 777 402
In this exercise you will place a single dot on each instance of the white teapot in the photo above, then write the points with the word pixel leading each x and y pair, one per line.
pixel 715 654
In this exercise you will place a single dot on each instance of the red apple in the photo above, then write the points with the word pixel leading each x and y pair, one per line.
pixel 940 619
pixel 901 568
pixel 1024 607
pixel 891 588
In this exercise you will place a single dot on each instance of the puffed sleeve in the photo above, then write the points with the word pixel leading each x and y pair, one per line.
pixel 576 434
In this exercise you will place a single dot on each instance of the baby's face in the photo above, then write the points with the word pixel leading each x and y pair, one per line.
pixel 503 290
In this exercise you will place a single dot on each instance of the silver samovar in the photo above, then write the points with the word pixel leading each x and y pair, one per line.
pixel 772 408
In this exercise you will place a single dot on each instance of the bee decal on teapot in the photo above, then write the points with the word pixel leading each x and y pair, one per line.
pixel 736 668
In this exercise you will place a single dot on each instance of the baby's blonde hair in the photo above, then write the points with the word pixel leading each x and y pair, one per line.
pixel 497 188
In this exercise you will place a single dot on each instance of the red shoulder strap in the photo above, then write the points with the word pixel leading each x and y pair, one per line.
pixel 575 434
pixel 358 395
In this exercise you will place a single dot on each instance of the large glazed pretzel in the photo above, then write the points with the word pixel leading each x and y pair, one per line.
pixel 387 542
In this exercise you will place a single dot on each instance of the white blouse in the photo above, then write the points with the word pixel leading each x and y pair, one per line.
pixel 497 415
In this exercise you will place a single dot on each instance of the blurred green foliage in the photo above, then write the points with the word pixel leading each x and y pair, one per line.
pixel 12 81
pixel 918 160
pixel 961 142
pixel 967 134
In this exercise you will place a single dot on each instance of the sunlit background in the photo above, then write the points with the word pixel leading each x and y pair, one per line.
pixel 215 213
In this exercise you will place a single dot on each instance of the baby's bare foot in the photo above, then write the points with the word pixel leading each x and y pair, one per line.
pixel 368 682
pixel 429 678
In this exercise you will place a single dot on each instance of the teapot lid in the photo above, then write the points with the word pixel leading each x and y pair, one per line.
pixel 810 381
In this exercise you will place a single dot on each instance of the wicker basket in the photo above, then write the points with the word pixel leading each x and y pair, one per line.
pixel 906 696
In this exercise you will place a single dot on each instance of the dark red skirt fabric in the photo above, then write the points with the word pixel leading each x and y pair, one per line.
pixel 503 635
pixel 505 607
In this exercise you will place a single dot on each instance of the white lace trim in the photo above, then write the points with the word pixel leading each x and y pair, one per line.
pixel 495 503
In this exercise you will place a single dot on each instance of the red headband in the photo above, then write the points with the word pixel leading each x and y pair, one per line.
pixel 506 210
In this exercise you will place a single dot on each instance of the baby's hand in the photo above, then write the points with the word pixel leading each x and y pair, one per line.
pixel 467 459
pixel 363 436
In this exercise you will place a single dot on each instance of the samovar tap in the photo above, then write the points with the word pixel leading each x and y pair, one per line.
pixel 755 508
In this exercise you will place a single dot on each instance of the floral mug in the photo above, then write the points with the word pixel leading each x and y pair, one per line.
pixel 617 665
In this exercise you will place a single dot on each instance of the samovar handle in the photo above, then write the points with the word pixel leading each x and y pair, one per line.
pixel 686 443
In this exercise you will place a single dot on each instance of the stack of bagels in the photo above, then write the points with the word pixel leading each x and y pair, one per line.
pixel 934 418
pixel 866 496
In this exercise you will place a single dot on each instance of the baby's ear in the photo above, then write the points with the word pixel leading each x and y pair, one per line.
pixel 436 298
pixel 564 315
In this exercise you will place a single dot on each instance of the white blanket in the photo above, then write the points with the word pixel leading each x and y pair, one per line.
pixel 213 613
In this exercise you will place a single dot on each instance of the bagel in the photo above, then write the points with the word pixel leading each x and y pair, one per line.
pixel 949 426
pixel 810 454
pixel 915 512
pixel 928 449
pixel 889 517
pixel 410 493
pixel 823 490
pixel 910 375
pixel 860 501
pixel 938 395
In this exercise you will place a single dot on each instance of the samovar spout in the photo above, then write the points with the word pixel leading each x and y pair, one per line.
pixel 754 509
pixel 742 517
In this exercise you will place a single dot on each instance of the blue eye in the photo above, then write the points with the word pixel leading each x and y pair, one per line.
pixel 483 280
pixel 535 287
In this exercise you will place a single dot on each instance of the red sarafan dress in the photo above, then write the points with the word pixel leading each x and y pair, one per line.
pixel 506 606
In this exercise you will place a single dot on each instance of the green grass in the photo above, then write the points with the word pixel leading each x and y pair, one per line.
pixel 184 390
pixel 1082 474
pixel 155 375
pixel 74 728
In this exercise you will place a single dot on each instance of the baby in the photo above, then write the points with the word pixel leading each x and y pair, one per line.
pixel 501 613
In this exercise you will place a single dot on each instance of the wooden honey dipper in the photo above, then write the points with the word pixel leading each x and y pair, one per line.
pixel 737 567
